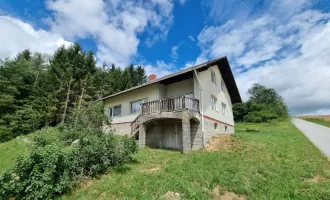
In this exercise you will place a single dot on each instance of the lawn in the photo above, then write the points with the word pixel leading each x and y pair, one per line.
pixel 279 162
pixel 20 146
pixel 319 121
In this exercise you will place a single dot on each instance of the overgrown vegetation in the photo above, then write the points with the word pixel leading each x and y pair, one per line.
pixel 38 90
pixel 264 105
pixel 277 163
pixel 319 121
pixel 56 164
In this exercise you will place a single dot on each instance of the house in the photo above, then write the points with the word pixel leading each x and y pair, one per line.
pixel 180 111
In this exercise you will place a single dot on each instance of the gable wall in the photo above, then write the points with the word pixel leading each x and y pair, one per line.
pixel 209 88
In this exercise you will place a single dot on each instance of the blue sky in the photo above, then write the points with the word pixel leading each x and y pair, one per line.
pixel 283 44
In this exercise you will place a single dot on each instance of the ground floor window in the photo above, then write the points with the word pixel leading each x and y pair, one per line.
pixel 136 105
pixel 115 111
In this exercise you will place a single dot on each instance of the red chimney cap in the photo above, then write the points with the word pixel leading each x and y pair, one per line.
pixel 152 77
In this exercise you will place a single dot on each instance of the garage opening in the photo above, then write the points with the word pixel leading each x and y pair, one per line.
pixel 164 133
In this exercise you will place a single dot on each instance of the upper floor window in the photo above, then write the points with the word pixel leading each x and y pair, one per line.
pixel 213 78
pixel 223 86
pixel 224 108
pixel 214 103
pixel 115 111
pixel 136 105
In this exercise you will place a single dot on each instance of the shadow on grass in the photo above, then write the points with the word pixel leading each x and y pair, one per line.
pixel 125 168
pixel 122 169
pixel 163 148
pixel 133 161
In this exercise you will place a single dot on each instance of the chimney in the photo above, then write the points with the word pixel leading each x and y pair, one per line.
pixel 152 77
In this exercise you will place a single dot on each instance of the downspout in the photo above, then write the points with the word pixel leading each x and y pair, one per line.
pixel 201 107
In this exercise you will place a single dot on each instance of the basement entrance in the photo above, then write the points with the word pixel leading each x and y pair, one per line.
pixel 164 133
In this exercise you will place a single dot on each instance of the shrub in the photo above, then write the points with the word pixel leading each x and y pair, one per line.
pixel 51 170
pixel 53 167
pixel 264 105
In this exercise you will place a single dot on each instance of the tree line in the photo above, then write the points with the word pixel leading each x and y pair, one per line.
pixel 38 90
pixel 264 105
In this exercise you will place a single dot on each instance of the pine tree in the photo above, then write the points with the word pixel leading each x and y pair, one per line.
pixel 141 75
pixel 126 81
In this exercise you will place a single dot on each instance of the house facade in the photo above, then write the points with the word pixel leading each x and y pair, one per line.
pixel 179 111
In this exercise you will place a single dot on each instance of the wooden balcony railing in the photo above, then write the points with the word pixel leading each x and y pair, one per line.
pixel 168 105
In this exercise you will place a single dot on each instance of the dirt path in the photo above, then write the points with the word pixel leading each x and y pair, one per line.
pixel 319 135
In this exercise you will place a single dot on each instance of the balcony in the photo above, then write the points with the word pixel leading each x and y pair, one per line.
pixel 165 109
pixel 170 105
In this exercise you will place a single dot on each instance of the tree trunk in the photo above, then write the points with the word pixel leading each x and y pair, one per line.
pixel 67 99
pixel 79 105
pixel 81 98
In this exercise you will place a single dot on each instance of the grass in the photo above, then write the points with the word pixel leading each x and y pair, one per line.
pixel 20 146
pixel 279 162
pixel 319 121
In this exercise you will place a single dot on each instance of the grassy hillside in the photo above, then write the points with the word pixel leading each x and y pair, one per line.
pixel 319 121
pixel 20 146
pixel 279 162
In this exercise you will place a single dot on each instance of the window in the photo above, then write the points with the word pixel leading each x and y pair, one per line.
pixel 223 86
pixel 136 105
pixel 115 111
pixel 214 103
pixel 224 108
pixel 215 125
pixel 213 79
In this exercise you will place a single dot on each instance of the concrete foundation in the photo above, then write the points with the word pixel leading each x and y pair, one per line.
pixel 174 130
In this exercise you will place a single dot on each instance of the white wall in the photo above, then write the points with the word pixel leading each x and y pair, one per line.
pixel 158 91
pixel 179 88
pixel 209 88
pixel 151 92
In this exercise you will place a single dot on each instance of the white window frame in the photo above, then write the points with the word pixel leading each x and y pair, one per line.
pixel 223 86
pixel 213 77
pixel 144 100
pixel 224 108
pixel 214 102
pixel 111 111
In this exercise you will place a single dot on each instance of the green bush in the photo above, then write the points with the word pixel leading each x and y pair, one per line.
pixel 55 166
pixel 5 133
pixel 51 170
pixel 264 105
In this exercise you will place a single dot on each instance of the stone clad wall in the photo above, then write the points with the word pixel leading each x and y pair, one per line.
pixel 211 130
pixel 118 129
pixel 196 136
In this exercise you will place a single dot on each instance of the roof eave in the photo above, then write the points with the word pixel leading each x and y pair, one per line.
pixel 226 73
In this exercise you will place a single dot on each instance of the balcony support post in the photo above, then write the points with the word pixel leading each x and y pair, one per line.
pixel 142 136
pixel 186 133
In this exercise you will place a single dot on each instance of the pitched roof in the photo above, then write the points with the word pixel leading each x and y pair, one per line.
pixel 224 68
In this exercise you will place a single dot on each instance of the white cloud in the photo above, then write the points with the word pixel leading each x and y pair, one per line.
pixel 182 2
pixel 289 54
pixel 160 68
pixel 191 38
pixel 115 25
pixel 174 53
pixel 16 35
pixel 223 10
pixel 189 64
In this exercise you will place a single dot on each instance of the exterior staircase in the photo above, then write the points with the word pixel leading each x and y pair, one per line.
pixel 135 125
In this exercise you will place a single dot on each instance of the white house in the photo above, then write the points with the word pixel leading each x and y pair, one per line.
pixel 180 111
